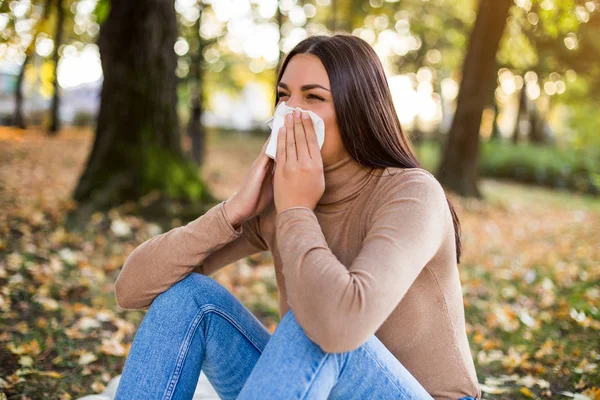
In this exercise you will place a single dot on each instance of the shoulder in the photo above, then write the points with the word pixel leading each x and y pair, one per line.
pixel 406 194
pixel 396 183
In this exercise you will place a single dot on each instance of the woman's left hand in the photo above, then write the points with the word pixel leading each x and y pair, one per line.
pixel 298 176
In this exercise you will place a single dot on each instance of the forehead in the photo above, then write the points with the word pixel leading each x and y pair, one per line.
pixel 303 69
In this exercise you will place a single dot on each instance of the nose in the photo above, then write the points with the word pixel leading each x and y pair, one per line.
pixel 294 101
pixel 291 104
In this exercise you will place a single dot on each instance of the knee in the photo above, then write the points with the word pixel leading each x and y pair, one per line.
pixel 290 325
pixel 193 291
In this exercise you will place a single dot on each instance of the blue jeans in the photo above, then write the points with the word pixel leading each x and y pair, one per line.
pixel 198 325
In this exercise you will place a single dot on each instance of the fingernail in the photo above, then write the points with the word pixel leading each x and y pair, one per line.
pixel 297 113
pixel 305 115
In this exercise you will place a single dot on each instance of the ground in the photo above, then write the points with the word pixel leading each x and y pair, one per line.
pixel 530 274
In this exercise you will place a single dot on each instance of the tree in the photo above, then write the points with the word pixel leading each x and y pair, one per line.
pixel 58 39
pixel 137 147
pixel 52 17
pixel 459 169
pixel 19 119
pixel 548 41
pixel 195 129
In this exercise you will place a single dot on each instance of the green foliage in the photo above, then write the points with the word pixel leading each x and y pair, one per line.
pixel 172 175
pixel 585 126
pixel 168 172
pixel 101 11
pixel 562 168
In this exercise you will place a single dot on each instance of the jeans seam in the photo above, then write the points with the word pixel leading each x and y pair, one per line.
pixel 312 380
pixel 385 372
pixel 183 353
pixel 188 339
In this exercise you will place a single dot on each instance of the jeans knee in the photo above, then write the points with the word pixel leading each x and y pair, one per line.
pixel 290 323
pixel 194 289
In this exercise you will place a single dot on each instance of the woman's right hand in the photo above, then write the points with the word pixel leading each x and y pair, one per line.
pixel 255 193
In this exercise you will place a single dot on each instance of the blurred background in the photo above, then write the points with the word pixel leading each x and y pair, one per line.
pixel 120 120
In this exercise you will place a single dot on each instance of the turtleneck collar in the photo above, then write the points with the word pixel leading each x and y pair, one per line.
pixel 343 180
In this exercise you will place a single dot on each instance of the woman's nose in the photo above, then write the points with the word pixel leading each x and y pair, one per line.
pixel 293 102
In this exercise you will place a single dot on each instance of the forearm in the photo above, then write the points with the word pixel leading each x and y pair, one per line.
pixel 165 259
pixel 322 292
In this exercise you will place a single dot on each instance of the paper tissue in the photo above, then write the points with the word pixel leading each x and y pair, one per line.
pixel 277 121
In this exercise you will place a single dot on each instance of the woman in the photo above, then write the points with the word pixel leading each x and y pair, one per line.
pixel 365 245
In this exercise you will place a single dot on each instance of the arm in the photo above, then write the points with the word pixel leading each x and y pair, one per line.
pixel 203 245
pixel 339 307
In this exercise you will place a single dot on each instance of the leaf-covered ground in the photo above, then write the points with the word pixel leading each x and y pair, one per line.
pixel 530 275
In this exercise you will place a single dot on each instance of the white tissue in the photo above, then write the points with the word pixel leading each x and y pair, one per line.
pixel 277 121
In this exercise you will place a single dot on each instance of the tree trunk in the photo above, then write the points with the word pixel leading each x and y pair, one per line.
pixel 459 166
pixel 195 129
pixel 58 39
pixel 536 122
pixel 279 19
pixel 333 16
pixel 137 148
pixel 19 119
pixel 495 128
pixel 493 103
pixel 517 134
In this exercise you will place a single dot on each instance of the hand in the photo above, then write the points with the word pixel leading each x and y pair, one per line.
pixel 299 179
pixel 255 193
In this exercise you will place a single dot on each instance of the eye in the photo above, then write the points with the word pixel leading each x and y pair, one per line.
pixel 313 96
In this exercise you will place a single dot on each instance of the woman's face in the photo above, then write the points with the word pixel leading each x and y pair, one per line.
pixel 305 84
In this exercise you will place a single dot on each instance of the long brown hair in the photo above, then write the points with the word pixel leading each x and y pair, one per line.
pixel 368 122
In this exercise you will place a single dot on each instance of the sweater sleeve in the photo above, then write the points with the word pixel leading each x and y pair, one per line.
pixel 340 306
pixel 203 245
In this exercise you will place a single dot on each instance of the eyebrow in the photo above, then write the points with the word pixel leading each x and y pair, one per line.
pixel 305 87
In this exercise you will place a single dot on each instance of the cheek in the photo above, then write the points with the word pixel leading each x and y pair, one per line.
pixel 328 115
pixel 331 128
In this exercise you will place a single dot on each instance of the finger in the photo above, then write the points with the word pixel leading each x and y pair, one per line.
pixel 300 136
pixel 280 156
pixel 272 166
pixel 290 145
pixel 311 136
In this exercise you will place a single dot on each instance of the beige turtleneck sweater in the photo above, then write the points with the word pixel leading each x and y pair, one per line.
pixel 377 255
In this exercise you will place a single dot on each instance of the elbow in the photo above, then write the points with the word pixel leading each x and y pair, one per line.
pixel 331 330
pixel 123 300
pixel 336 344
pixel 127 287
pixel 126 298
pixel 337 338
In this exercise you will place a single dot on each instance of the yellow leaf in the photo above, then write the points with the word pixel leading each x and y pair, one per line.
pixel 50 374
pixel 113 347
pixel 86 358
pixel 526 392
pixel 31 348
pixel 593 393
pixel 97 387
pixel 26 361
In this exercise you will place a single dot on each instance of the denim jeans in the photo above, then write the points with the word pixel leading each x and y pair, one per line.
pixel 198 325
